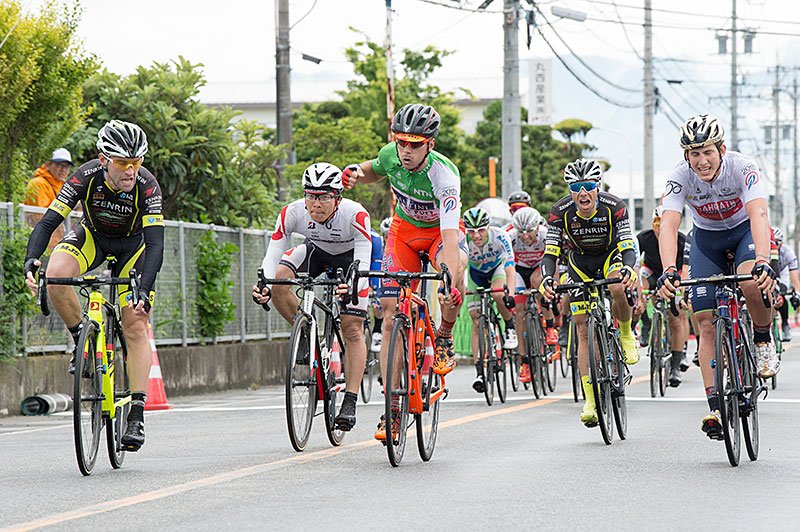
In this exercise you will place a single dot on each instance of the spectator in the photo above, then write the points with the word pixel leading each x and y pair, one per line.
pixel 48 179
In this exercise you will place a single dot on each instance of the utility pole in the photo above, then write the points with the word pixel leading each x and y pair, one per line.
pixel 734 136
pixel 389 71
pixel 776 100
pixel 283 86
pixel 512 133
pixel 649 94
pixel 795 203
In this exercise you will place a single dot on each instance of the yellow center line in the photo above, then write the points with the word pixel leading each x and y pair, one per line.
pixel 229 476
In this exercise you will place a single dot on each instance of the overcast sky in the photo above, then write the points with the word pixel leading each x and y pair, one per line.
pixel 235 41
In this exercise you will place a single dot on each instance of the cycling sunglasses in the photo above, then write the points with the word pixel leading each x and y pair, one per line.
pixel 588 186
pixel 124 164
pixel 412 144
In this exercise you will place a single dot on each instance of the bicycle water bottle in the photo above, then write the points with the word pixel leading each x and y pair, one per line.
pixel 607 306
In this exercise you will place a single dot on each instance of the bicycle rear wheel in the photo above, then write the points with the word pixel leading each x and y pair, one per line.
pixel 428 421
pixel 369 368
pixel 500 366
pixel 534 347
pixel 563 362
pixel 725 384
pixel 618 389
pixel 552 368
pixel 301 383
pixel 572 353
pixel 514 363
pixel 655 355
pixel 485 359
pixel 776 337
pixel 749 411
pixel 601 379
pixel 396 392
pixel 87 391
pixel 115 428
pixel 334 388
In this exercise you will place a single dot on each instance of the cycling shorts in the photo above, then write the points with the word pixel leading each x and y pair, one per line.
pixel 477 278
pixel 309 259
pixel 404 243
pixel 585 267
pixel 708 257
pixel 91 250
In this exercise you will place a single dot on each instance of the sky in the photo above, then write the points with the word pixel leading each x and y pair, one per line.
pixel 235 42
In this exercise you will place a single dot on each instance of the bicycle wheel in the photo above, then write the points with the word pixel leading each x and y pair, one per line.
pixel 369 368
pixel 552 368
pixel 749 411
pixel 334 388
pixel 514 363
pixel 534 345
pixel 725 384
pixel 572 353
pixel 485 351
pixel 428 421
pixel 87 391
pixel 655 354
pixel 776 337
pixel 600 376
pixel 619 404
pixel 115 428
pixel 396 394
pixel 563 362
pixel 301 383
pixel 500 366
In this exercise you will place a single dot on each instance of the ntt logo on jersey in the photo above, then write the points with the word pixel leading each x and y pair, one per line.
pixel 450 203
pixel 751 179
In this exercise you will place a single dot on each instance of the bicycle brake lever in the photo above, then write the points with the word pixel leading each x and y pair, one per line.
pixel 262 284
pixel 353 277
pixel 41 294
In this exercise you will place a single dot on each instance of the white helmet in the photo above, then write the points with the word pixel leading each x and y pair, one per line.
pixel 385 224
pixel 122 139
pixel 322 176
pixel 527 219
pixel 701 131
pixel 583 170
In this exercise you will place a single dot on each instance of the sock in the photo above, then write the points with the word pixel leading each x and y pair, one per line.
pixel 510 324
pixel 761 335
pixel 677 354
pixel 588 391
pixel 75 331
pixel 711 397
pixel 478 369
pixel 376 328
pixel 138 399
pixel 445 328
pixel 549 323
pixel 350 396
pixel 625 328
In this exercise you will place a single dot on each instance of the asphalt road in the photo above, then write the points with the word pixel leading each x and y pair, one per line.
pixel 224 462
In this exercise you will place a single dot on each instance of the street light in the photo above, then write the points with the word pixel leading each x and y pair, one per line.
pixel 571 14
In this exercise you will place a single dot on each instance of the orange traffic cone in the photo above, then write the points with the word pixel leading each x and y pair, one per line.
pixel 156 396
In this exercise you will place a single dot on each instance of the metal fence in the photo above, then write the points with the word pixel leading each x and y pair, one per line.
pixel 174 315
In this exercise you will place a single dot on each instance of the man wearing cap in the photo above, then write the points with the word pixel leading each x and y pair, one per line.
pixel 48 178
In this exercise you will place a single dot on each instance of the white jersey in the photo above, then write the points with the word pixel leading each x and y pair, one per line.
pixel 787 261
pixel 718 205
pixel 529 256
pixel 347 230
pixel 496 252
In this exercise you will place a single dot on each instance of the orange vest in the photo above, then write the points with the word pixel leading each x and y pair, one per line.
pixel 42 189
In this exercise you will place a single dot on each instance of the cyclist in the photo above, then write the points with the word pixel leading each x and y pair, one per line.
pixel 789 277
pixel 337 234
pixel 651 262
pixel 517 201
pixel 491 264
pixel 121 217
pixel 729 209
pixel 427 186
pixel 596 224
pixel 528 236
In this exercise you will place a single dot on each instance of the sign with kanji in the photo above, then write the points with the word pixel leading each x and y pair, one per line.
pixel 540 108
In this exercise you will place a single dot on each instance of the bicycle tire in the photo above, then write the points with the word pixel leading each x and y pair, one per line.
pixel 666 355
pixel 485 350
pixel 750 413
pixel 724 385
pixel 369 367
pixel 601 384
pixel 301 384
pixel 776 335
pixel 500 369
pixel 514 364
pixel 534 354
pixel 552 368
pixel 572 350
pixel 653 352
pixel 334 390
pixel 115 428
pixel 619 404
pixel 87 390
pixel 428 421
pixel 563 363
pixel 397 395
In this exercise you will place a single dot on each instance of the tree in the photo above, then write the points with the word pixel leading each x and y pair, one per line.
pixel 209 171
pixel 42 71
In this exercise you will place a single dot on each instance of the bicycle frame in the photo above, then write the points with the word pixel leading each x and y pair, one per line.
pixel 104 356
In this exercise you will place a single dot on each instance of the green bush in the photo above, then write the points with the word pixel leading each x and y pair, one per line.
pixel 15 298
pixel 215 306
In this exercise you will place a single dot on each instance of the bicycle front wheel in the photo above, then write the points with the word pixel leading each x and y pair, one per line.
pixel 87 391
pixel 396 392
pixel 749 411
pixel 776 337
pixel 301 383
pixel 514 362
pixel 618 389
pixel 601 379
pixel 500 365
pixel 428 421
pixel 334 388
pixel 552 368
pixel 122 390
pixel 534 340
pixel 655 355
pixel 369 368
pixel 725 384
pixel 563 362
pixel 572 353
pixel 485 359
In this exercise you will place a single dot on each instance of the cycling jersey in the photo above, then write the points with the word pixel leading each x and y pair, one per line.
pixel 651 255
pixel 428 197
pixel 496 252
pixel 787 262
pixel 528 256
pixel 106 213
pixel 607 230
pixel 719 205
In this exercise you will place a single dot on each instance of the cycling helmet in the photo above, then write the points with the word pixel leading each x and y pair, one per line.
pixel 385 224
pixel 658 211
pixel 476 218
pixel 700 131
pixel 416 120
pixel 527 219
pixel 322 176
pixel 778 233
pixel 122 139
pixel 519 197
pixel 583 170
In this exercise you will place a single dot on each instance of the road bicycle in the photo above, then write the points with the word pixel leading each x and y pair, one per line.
pixel 412 388
pixel 659 349
pixel 314 358
pixel 372 366
pixel 101 392
pixel 540 356
pixel 492 357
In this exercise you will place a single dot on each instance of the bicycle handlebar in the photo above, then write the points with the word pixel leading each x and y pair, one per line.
pixel 595 283
pixel 85 280
pixel 725 279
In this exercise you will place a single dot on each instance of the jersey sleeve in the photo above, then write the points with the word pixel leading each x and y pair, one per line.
pixel 675 189
pixel 552 247
pixel 507 258
pixel 447 191
pixel 279 243
pixel 150 203
pixel 624 238
pixel 383 162
pixel 752 182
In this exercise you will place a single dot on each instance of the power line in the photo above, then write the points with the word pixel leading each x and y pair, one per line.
pixel 625 31
pixel 304 16
pixel 459 7
pixel 578 78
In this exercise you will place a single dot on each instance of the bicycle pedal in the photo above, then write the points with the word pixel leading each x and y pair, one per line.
pixel 446 393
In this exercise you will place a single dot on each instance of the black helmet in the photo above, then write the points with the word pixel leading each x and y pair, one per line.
pixel 417 119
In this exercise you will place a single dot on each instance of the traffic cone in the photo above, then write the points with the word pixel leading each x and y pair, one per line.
pixel 156 396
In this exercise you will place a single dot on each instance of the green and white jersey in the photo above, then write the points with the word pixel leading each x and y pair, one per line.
pixel 428 197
